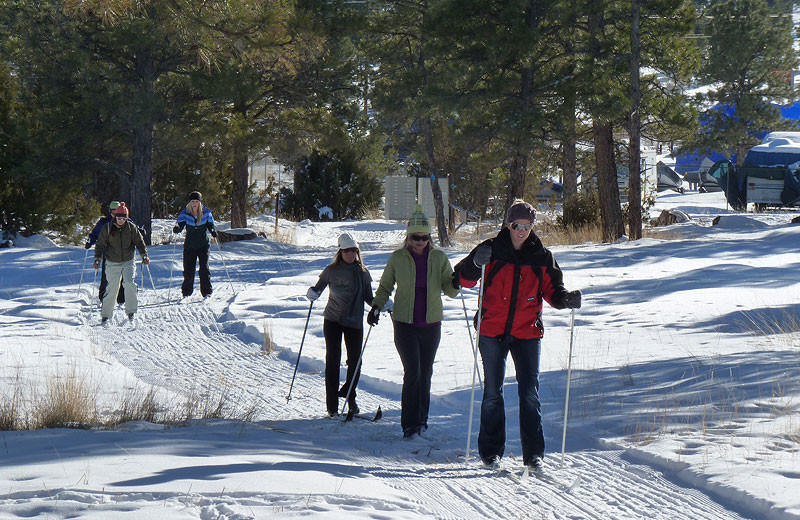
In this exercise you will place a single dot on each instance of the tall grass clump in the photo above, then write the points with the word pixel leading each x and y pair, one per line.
pixel 67 403
pixel 556 234
pixel 137 407
pixel 10 413
pixel 269 342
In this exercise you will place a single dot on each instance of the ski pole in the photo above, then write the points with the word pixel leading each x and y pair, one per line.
pixel 150 275
pixel 94 282
pixel 297 363
pixel 469 331
pixel 85 256
pixel 475 364
pixel 355 372
pixel 153 285
pixel 219 248
pixel 566 399
pixel 171 266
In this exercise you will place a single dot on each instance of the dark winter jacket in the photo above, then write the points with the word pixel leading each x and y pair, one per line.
pixel 351 287
pixel 102 222
pixel 118 242
pixel 196 229
pixel 515 284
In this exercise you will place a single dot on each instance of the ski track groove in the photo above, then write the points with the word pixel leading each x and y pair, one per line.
pixel 180 346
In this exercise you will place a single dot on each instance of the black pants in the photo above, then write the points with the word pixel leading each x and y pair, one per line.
pixel 333 358
pixel 190 260
pixel 417 347
pixel 104 284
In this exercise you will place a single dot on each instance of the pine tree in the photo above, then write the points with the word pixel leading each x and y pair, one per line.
pixel 408 94
pixel 749 64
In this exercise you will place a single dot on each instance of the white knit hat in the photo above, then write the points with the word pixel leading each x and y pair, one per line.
pixel 346 241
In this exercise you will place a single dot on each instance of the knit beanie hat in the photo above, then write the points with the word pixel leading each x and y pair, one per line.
pixel 121 211
pixel 346 241
pixel 418 222
pixel 520 210
pixel 113 205
pixel 195 195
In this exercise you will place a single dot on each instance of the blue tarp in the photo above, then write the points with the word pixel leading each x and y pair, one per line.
pixel 691 162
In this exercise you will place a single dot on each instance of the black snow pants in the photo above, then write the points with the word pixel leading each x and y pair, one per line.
pixel 191 257
pixel 333 358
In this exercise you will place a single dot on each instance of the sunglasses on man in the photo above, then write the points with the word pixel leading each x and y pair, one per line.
pixel 121 218
pixel 521 227
pixel 420 238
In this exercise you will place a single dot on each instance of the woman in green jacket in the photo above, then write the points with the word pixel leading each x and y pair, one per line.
pixel 421 273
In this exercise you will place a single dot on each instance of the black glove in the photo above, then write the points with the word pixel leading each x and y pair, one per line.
pixel 372 317
pixel 482 255
pixel 214 233
pixel 455 281
pixel 572 300
pixel 87 245
pixel 176 229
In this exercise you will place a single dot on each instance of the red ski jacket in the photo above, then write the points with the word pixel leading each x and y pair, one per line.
pixel 515 284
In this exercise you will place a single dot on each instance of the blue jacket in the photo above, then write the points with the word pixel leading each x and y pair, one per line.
pixel 196 229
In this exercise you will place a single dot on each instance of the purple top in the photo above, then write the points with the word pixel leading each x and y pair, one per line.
pixel 421 289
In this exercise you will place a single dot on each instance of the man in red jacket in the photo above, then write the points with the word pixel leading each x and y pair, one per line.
pixel 520 274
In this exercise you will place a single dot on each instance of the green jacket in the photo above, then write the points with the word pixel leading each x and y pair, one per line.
pixel 117 243
pixel 401 271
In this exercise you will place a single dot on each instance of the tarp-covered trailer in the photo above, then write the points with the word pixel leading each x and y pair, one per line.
pixel 668 179
pixel 768 177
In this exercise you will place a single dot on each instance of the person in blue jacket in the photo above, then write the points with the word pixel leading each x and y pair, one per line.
pixel 107 211
pixel 199 222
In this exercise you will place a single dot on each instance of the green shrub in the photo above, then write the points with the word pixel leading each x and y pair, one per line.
pixel 335 180
pixel 582 210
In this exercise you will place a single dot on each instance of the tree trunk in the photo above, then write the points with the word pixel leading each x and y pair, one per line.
pixel 240 175
pixel 519 163
pixel 568 156
pixel 516 176
pixel 451 213
pixel 607 187
pixel 438 202
pixel 141 191
pixel 240 185
pixel 569 163
pixel 741 151
pixel 634 177
pixel 142 167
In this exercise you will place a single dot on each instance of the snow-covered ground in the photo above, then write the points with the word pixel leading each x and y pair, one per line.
pixel 683 402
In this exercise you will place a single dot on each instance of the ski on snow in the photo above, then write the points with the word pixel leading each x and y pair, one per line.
pixel 526 473
pixel 350 416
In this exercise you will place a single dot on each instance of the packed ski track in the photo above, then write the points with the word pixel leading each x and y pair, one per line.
pixel 196 347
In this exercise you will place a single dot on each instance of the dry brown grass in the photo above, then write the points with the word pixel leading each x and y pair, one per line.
pixel 269 343
pixel 554 235
pixel 9 411
pixel 69 401
pixel 136 407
